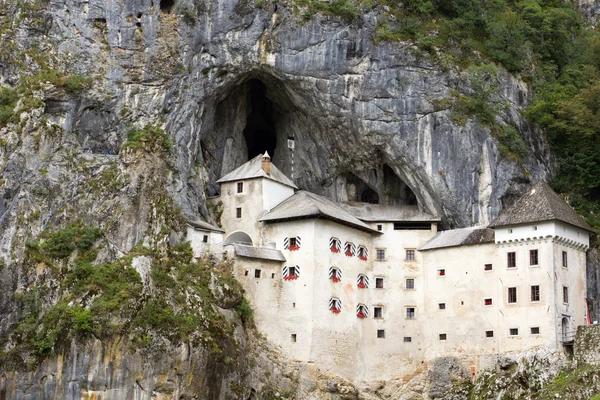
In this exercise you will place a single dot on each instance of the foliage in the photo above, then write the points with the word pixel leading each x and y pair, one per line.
pixel 8 100
pixel 148 137
pixel 245 311
pixel 345 9
pixel 61 243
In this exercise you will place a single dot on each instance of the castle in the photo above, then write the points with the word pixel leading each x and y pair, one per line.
pixel 372 292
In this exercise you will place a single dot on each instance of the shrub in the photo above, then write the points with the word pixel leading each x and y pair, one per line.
pixel 8 100
pixel 148 137
pixel 245 311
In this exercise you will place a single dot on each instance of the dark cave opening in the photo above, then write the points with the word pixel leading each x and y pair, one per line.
pixel 396 190
pixel 166 5
pixel 359 190
pixel 259 132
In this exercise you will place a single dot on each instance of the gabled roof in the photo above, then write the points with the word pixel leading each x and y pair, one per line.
pixel 205 226
pixel 304 204
pixel 262 253
pixel 253 169
pixel 383 213
pixel 541 203
pixel 459 237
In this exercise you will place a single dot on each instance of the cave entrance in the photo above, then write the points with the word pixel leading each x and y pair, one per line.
pixel 359 190
pixel 166 5
pixel 259 132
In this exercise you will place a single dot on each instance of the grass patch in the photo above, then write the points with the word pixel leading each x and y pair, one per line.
pixel 148 138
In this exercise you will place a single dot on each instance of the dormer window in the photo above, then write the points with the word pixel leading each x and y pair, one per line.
pixel 292 243
pixel 335 245
pixel 240 187
pixel 363 253
pixel 362 311
pixel 335 274
pixel 335 305
pixel 349 249
pixel 362 281
pixel 291 273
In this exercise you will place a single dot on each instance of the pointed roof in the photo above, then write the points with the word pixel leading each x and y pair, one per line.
pixel 541 203
pixel 254 169
pixel 304 204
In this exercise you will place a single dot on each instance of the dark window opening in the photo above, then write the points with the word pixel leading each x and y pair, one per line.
pixel 511 259
pixel 379 283
pixel 513 331
pixel 246 273
pixel 205 239
pixel 379 227
pixel 488 302
pixel 407 339
pixel 238 212
pixel 410 255
pixel 489 333
pixel 564 259
pixel 260 132
pixel 512 295
pixel 533 257
pixel 240 187
pixel 412 226
pixel 442 306
pixel 378 312
pixel 535 330
pixel 410 313
pixel 166 5
pixel 293 337
pixel 535 293
pixel 380 334
pixel 441 272
pixel 565 295
pixel 257 273
pixel 442 336
pixel 488 267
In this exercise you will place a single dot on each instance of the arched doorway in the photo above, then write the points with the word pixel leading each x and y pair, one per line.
pixel 238 237
pixel 565 329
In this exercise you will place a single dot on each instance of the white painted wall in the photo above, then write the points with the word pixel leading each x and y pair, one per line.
pixel 542 230
pixel 274 193
pixel 196 238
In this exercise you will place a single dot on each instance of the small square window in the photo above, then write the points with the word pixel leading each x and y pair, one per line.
pixel 377 312
pixel 442 336
pixel 410 284
pixel 442 306
pixel 533 257
pixel 488 267
pixel 238 212
pixel 379 227
pixel 205 239
pixel 380 333
pixel 410 313
pixel 535 228
pixel 257 273
pixel 565 295
pixel 489 333
pixel 513 331
pixel 512 295
pixel 293 242
pixel 410 255
pixel 535 330
pixel 246 273
pixel 441 272
pixel 510 231
pixel 379 283
pixel 407 339
pixel 380 254
pixel 240 187
pixel 294 337
pixel 564 259
pixel 487 302
pixel 511 259
pixel 535 293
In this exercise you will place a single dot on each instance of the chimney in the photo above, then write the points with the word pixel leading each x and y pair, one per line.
pixel 266 163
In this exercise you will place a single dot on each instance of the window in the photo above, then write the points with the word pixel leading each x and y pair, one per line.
pixel 335 274
pixel 535 330
pixel 363 253
pixel 335 305
pixel 512 295
pixel 362 281
pixel 205 239
pixel 335 245
pixel 535 228
pixel 377 312
pixel 442 336
pixel 442 306
pixel 362 311
pixel 513 331
pixel 294 337
pixel 380 334
pixel 489 333
pixel 291 243
pixel 565 295
pixel 410 284
pixel 511 259
pixel 535 293
pixel 533 257
pixel 510 231
pixel 410 255
pixel 240 187
pixel 411 226
pixel 410 312
pixel 380 254
pixel 238 212
pixel 273 276
pixel 441 272
pixel 487 302
pixel 487 267
pixel 246 273
pixel 349 249
pixel 257 273
pixel 379 283
pixel 407 339
pixel 379 227
pixel 564 259
pixel 291 273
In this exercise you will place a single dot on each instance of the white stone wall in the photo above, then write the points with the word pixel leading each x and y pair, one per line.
pixel 196 238
pixel 544 229
pixel 251 203
pixel 274 193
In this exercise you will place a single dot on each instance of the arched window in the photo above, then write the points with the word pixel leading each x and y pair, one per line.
pixel 363 253
pixel 349 249
pixel 291 273
pixel 335 274
pixel 291 243
pixel 362 281
pixel 362 311
pixel 335 305
pixel 335 245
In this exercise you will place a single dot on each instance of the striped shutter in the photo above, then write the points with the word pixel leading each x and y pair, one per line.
pixel 362 278
pixel 333 271
pixel 335 303
pixel 365 251
pixel 286 272
pixel 362 308
pixel 298 241
pixel 297 270
pixel 351 247
pixel 335 243
pixel 286 243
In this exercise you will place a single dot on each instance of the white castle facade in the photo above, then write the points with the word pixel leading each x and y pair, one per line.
pixel 374 292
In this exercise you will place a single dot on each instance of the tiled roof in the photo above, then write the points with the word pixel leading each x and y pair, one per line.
pixel 263 253
pixel 205 226
pixel 381 213
pixel 253 169
pixel 541 203
pixel 304 204
pixel 459 237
